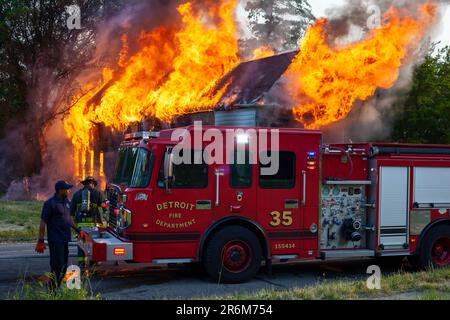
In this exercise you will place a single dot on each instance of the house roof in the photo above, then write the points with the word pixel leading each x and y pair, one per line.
pixel 251 80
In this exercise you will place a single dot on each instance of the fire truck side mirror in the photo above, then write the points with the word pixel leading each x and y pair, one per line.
pixel 168 168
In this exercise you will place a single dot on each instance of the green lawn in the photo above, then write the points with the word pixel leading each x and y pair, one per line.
pixel 19 220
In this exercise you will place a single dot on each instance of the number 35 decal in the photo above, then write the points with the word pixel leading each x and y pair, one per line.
pixel 278 218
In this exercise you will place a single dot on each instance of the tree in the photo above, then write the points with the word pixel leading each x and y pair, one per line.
pixel 40 57
pixel 426 115
pixel 278 23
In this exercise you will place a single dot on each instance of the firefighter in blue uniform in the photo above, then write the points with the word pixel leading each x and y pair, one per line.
pixel 85 208
pixel 56 217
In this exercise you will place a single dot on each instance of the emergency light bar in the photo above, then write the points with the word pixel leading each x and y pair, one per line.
pixel 144 135
pixel 311 160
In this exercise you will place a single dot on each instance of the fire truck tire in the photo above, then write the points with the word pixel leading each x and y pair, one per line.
pixel 435 248
pixel 233 255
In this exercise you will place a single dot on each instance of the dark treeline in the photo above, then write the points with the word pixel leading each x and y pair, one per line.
pixel 426 114
pixel 40 59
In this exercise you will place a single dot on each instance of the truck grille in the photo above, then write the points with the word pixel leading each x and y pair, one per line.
pixel 113 194
pixel 112 219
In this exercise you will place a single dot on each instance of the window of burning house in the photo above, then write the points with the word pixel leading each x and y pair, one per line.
pixel 284 178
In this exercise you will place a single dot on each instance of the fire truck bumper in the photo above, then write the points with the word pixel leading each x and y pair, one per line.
pixel 104 246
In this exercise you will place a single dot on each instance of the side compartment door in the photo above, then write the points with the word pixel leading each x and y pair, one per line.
pixel 393 208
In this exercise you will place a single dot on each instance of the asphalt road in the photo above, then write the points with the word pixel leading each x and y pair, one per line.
pixel 18 262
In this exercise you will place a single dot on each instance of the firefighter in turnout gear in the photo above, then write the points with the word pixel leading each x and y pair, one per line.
pixel 85 208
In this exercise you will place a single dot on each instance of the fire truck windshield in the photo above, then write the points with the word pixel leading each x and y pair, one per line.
pixel 134 167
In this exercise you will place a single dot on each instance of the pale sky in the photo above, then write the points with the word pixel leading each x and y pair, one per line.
pixel 319 9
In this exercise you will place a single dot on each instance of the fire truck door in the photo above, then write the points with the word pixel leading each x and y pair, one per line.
pixel 393 207
pixel 235 189
pixel 184 207
pixel 280 204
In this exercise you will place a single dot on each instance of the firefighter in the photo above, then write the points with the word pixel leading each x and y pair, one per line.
pixel 56 217
pixel 85 208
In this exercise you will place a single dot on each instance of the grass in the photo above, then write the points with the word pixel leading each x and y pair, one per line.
pixel 432 284
pixel 19 220
pixel 435 295
pixel 424 285
pixel 38 290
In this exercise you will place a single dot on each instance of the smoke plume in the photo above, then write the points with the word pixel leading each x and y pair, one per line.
pixel 372 118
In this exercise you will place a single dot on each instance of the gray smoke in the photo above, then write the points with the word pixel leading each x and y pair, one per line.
pixel 371 119
pixel 275 24
pixel 351 20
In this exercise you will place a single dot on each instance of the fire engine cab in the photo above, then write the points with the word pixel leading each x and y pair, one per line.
pixel 325 201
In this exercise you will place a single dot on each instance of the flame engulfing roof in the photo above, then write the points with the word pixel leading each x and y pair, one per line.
pixel 251 80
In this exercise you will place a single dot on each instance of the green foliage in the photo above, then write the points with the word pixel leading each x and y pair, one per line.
pixel 12 87
pixel 426 114
pixel 279 23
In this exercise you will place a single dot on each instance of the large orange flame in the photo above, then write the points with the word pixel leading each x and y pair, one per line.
pixel 174 72
pixel 327 81
pixel 206 55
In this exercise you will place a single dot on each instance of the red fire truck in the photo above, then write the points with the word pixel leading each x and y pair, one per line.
pixel 326 201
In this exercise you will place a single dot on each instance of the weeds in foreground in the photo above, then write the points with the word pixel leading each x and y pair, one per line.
pixel 41 290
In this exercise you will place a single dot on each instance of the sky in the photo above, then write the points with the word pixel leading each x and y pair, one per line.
pixel 319 10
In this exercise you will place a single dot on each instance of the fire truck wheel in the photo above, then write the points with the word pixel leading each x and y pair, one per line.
pixel 233 255
pixel 435 250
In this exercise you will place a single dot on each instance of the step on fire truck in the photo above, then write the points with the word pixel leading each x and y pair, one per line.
pixel 326 201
